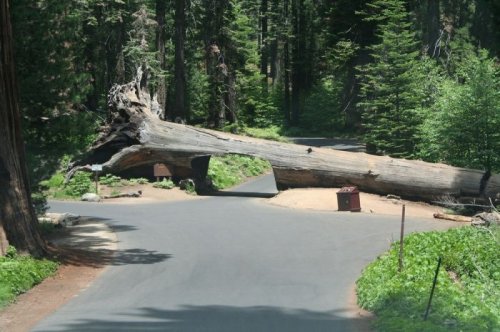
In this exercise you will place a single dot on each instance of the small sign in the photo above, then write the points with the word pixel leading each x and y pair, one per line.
pixel 96 168
pixel 161 170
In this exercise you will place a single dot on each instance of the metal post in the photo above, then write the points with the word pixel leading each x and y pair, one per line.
pixel 401 239
pixel 432 290
pixel 97 182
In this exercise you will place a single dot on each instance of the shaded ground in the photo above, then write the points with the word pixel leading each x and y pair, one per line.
pixel 79 267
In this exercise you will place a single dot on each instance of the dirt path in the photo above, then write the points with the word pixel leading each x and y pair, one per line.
pixel 326 200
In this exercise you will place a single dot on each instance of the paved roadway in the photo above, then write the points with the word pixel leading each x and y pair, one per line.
pixel 227 264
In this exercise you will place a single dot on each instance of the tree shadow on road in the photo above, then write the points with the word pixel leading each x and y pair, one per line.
pixel 225 319
pixel 85 245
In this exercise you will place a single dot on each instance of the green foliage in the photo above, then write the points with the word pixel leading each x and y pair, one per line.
pixel 39 200
pixel 110 180
pixel 164 184
pixel 230 170
pixel 198 85
pixel 47 228
pixel 139 49
pixel 389 102
pixel 466 297
pixel 190 188
pixel 256 107
pixel 272 133
pixel 115 192
pixel 322 111
pixel 462 126
pixel 19 273
pixel 79 184
pixel 135 181
pixel 55 181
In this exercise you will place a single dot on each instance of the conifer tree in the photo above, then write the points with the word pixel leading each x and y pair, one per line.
pixel 388 101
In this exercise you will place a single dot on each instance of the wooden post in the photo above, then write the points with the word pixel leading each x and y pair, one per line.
pixel 401 239
pixel 97 182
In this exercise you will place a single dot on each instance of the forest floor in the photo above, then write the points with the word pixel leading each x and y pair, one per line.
pixel 80 266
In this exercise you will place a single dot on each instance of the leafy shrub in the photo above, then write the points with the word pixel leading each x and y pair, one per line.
pixel 19 273
pixel 110 180
pixel 79 184
pixel 39 200
pixel 230 170
pixel 466 296
pixel 54 182
pixel 164 184
pixel 135 181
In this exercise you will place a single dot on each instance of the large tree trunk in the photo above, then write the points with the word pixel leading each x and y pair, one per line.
pixel 180 67
pixel 18 222
pixel 286 65
pixel 160 47
pixel 137 138
pixel 264 53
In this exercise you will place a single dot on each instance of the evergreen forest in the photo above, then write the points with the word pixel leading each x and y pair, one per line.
pixel 415 79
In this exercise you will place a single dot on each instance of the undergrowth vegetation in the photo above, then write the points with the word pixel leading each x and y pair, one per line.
pixel 230 170
pixel 20 273
pixel 79 184
pixel 224 172
pixel 467 296
pixel 164 184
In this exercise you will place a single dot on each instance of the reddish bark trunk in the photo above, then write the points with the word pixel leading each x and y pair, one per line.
pixel 17 216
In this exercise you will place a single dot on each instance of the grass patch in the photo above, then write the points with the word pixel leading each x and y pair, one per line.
pixel 272 133
pixel 467 294
pixel 164 184
pixel 20 273
pixel 230 170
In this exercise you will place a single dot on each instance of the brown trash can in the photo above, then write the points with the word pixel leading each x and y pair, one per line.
pixel 348 199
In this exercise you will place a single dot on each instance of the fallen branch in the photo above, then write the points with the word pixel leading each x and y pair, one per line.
pixel 129 194
pixel 452 217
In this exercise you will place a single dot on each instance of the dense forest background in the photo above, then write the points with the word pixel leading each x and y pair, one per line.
pixel 413 79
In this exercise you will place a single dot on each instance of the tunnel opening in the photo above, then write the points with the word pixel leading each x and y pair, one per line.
pixel 239 175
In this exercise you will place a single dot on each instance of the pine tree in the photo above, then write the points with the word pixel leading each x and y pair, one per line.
pixel 462 125
pixel 388 102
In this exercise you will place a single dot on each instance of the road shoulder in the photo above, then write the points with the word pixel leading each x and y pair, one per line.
pixel 84 251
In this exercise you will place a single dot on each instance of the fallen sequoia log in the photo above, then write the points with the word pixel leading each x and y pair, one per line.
pixel 136 137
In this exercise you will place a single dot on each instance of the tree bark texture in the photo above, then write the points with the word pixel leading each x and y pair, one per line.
pixel 137 138
pixel 180 68
pixel 160 46
pixel 286 64
pixel 297 60
pixel 18 222
pixel 264 53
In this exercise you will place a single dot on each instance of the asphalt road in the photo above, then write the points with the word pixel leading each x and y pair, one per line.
pixel 227 264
